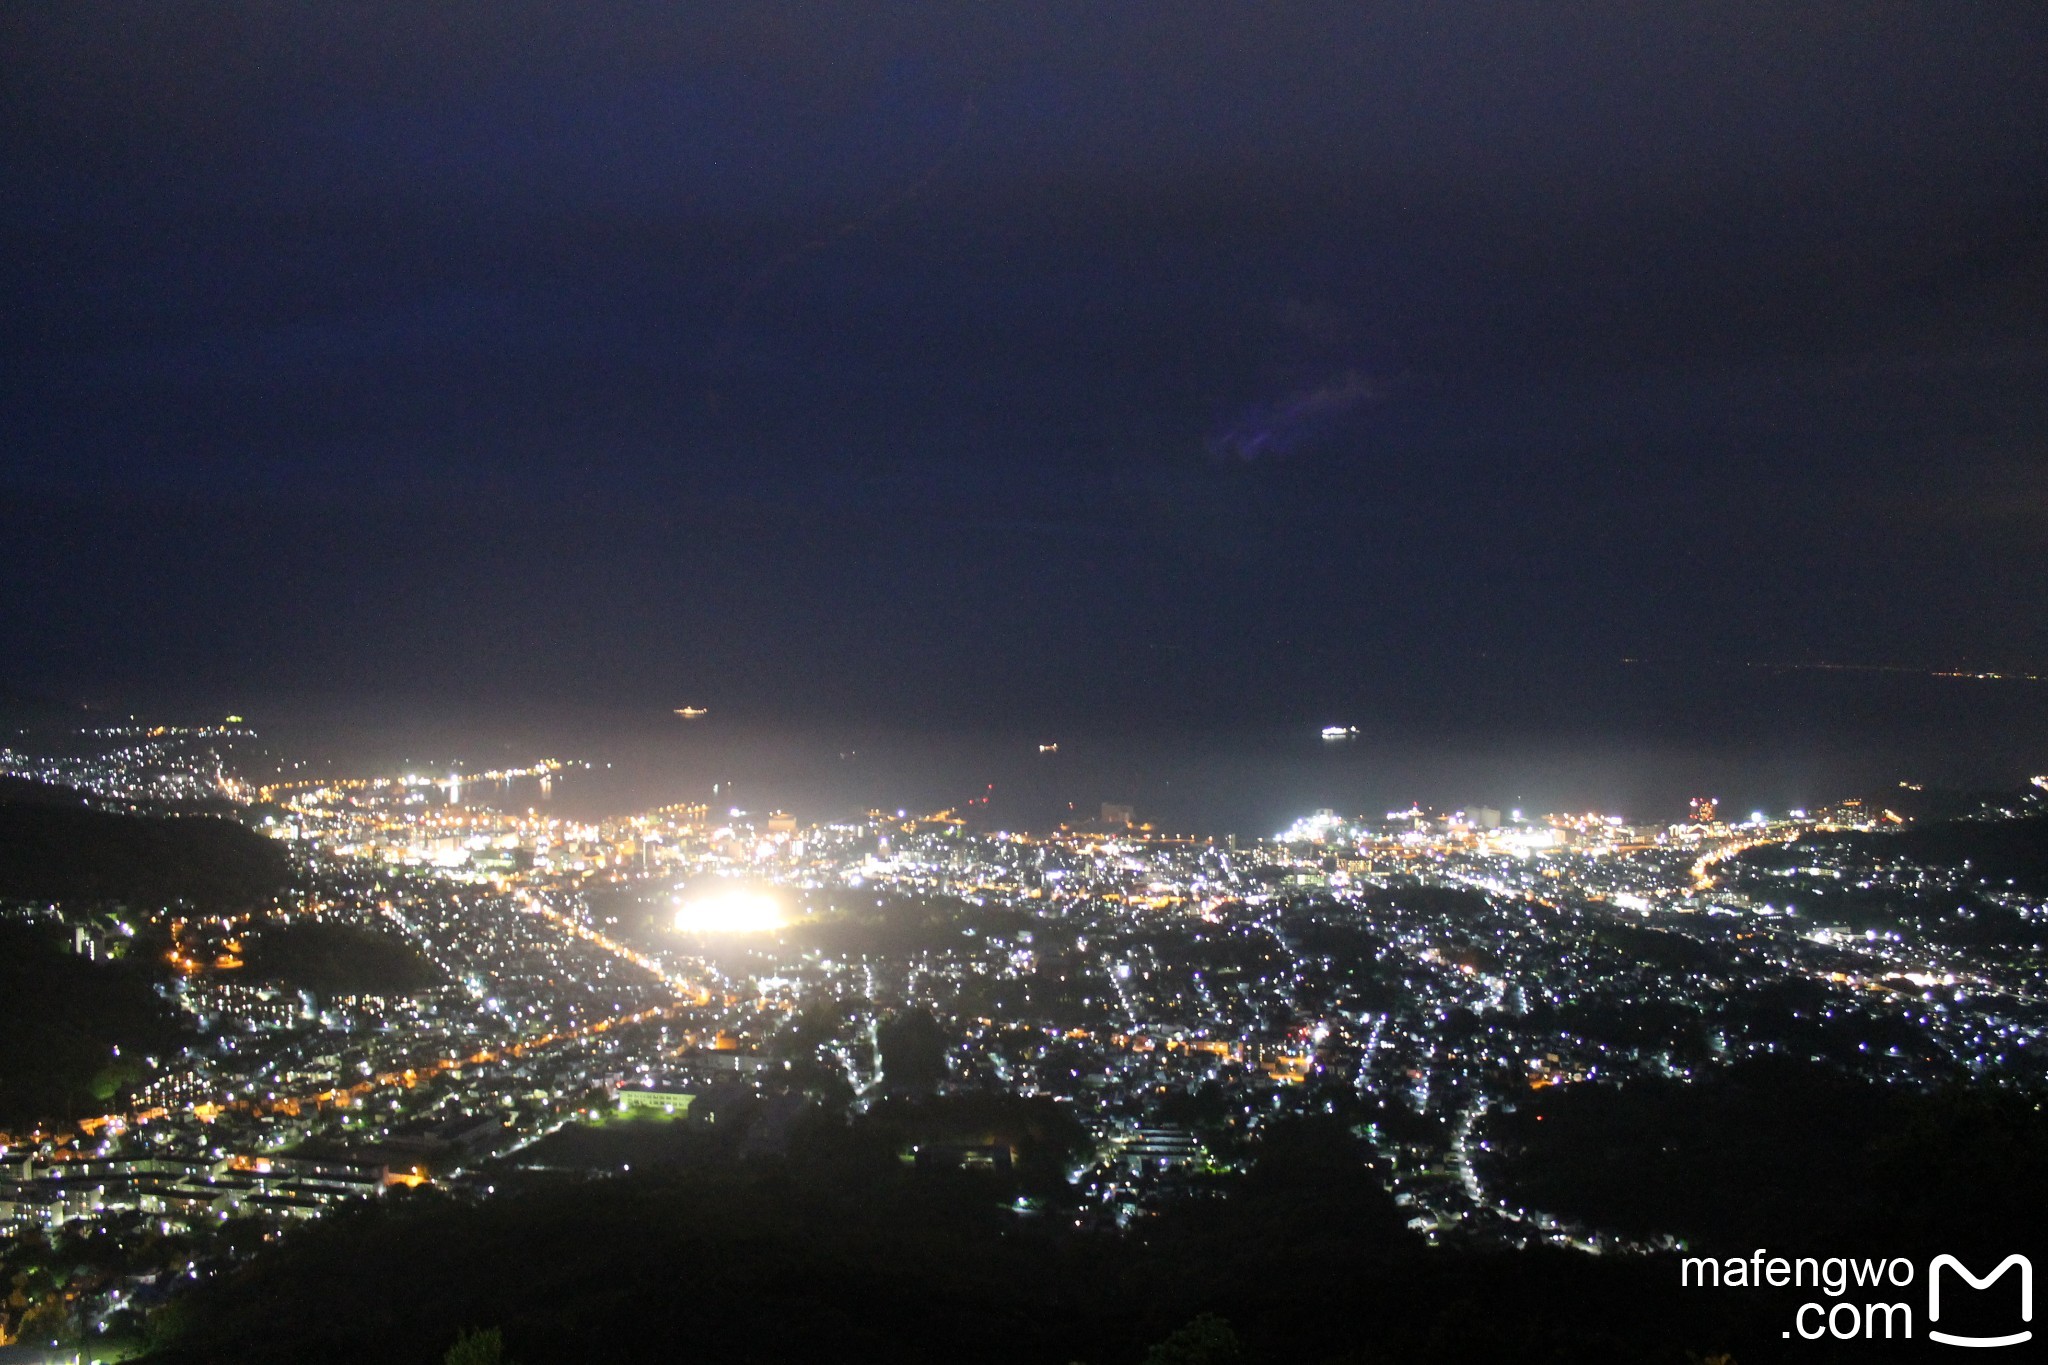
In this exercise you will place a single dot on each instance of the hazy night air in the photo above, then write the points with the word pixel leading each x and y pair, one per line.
pixel 1151 683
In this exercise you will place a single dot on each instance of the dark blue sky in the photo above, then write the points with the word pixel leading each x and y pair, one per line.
pixel 1020 360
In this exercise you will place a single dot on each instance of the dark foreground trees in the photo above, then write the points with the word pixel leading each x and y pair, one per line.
pixel 843 1252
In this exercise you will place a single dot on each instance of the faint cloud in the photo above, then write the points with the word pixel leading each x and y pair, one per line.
pixel 1281 427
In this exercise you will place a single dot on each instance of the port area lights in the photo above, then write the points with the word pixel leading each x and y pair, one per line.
pixel 728 910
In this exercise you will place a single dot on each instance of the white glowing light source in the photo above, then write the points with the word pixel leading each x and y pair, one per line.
pixel 735 911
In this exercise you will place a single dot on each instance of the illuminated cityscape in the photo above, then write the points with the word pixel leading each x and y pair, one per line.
pixel 1426 971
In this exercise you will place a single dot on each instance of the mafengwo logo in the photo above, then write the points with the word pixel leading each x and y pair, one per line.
pixel 1974 1320
pixel 2014 1261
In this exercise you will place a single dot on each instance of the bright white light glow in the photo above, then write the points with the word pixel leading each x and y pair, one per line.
pixel 738 910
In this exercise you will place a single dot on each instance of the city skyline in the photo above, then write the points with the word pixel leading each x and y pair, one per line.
pixel 402 981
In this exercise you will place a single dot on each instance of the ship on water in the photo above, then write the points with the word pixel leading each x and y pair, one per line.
pixel 1336 732
pixel 692 712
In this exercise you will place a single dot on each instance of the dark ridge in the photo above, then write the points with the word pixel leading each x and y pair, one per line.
pixel 1781 1154
pixel 73 1032
pixel 840 1251
pixel 56 852
pixel 1996 850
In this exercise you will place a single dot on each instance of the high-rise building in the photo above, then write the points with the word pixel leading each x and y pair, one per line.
pixel 1704 809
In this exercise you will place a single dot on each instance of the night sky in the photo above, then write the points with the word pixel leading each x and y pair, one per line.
pixel 963 364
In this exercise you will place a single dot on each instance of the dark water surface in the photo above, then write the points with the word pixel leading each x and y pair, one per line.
pixel 1637 747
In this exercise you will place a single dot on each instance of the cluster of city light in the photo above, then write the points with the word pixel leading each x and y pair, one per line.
pixel 1315 828
pixel 732 910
